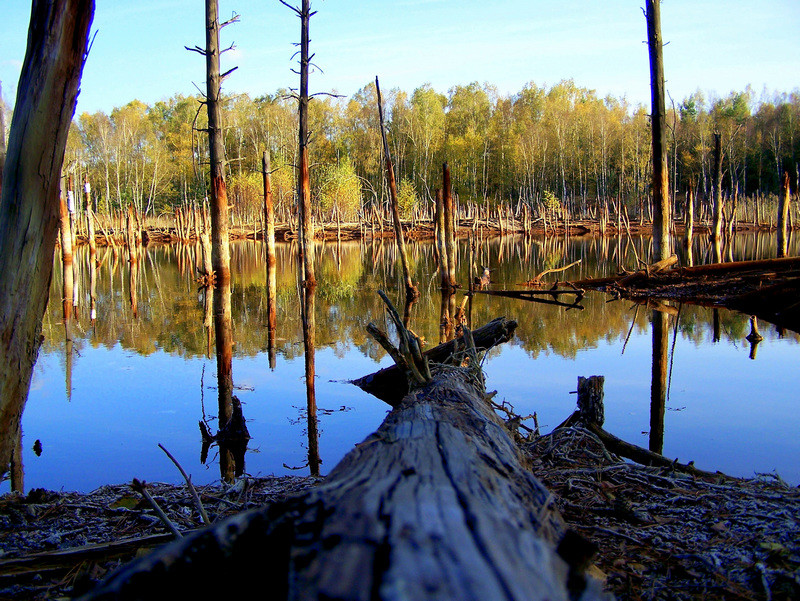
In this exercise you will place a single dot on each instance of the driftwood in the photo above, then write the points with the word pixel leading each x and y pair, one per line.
pixel 436 504
pixel 767 288
pixel 390 384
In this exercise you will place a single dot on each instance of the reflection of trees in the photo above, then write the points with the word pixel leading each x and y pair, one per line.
pixel 169 302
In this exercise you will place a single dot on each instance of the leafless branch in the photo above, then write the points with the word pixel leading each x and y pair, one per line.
pixel 295 9
pixel 228 72
pixel 192 489
pixel 196 49
pixel 141 488
pixel 234 19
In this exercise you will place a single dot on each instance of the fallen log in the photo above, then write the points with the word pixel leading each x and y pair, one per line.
pixel 436 504
pixel 391 385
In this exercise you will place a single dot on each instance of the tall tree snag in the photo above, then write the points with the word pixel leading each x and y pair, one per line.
pixel 716 233
pixel 661 198
pixel 449 225
pixel 29 206
pixel 783 217
pixel 411 289
pixel 220 237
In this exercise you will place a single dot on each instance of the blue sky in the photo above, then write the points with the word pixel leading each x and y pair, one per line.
pixel 713 45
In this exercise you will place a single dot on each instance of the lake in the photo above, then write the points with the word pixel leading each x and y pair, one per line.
pixel 100 403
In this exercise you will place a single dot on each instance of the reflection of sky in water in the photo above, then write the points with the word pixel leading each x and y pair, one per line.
pixel 724 411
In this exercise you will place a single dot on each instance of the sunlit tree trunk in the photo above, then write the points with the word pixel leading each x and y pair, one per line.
pixel 716 233
pixel 220 237
pixel 661 200
pixel 29 206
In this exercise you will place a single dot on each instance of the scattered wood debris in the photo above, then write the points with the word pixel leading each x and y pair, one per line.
pixel 57 544
pixel 664 534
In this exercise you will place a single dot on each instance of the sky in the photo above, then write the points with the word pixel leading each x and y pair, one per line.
pixel 716 46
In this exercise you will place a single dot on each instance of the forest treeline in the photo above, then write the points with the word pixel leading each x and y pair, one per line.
pixel 541 144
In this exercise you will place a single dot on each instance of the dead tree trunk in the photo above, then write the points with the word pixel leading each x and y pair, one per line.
pixel 269 242
pixel 783 217
pixel 716 233
pixel 689 233
pixel 411 289
pixel 29 207
pixel 661 198
pixel 436 504
pixel 130 236
pixel 449 225
pixel 220 235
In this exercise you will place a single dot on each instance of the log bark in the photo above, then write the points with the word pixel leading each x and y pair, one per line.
pixel 29 206
pixel 436 504
pixel 390 384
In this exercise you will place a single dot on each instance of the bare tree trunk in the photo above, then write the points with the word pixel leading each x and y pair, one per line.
pixel 661 198
pixel 716 232
pixel 411 290
pixel 689 223
pixel 783 217
pixel 449 234
pixel 220 236
pixel 269 241
pixel 29 207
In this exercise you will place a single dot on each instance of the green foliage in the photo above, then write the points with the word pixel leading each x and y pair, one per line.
pixel 340 190
pixel 551 203
pixel 564 138
pixel 407 198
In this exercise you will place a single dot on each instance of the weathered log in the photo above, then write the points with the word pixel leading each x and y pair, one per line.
pixel 390 384
pixel 436 504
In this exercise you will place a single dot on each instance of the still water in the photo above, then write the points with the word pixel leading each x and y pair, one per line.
pixel 100 404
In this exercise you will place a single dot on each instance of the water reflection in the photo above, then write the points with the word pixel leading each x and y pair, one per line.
pixel 149 366
pixel 658 386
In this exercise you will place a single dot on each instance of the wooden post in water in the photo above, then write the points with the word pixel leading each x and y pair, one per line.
pixel 689 224
pixel 90 231
pixel 661 197
pixel 716 233
pixel 130 237
pixel 449 234
pixel 269 242
pixel 441 244
pixel 783 216
pixel 71 209
pixel 411 290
